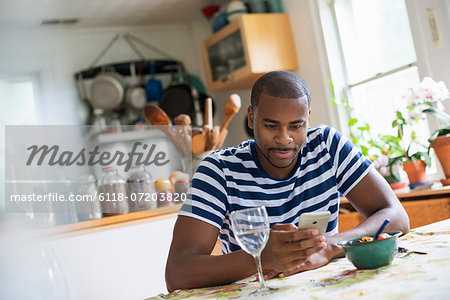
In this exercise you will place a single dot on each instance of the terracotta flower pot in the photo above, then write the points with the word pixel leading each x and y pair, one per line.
pixel 441 146
pixel 415 171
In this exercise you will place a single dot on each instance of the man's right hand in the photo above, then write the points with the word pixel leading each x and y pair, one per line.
pixel 289 247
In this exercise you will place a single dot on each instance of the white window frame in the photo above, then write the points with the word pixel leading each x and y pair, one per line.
pixel 339 76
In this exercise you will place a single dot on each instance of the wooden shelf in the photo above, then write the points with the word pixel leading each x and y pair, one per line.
pixel 110 222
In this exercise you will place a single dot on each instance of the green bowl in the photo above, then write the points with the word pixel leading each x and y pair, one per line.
pixel 373 254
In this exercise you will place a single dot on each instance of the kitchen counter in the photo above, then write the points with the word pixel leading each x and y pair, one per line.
pixel 118 221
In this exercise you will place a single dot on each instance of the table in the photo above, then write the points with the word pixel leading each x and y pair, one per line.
pixel 410 276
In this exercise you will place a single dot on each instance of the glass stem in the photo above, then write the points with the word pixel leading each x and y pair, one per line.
pixel 262 283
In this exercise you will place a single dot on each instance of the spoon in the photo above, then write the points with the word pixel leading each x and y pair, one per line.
pixel 231 108
pixel 380 230
pixel 155 115
pixel 215 134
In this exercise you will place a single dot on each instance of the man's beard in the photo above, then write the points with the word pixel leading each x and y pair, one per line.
pixel 280 149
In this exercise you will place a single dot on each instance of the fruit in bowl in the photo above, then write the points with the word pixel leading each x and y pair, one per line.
pixel 364 252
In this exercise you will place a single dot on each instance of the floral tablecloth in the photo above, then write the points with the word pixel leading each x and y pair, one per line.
pixel 410 276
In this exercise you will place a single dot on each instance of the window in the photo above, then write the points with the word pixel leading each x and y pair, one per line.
pixel 17 107
pixel 372 40
pixel 18 104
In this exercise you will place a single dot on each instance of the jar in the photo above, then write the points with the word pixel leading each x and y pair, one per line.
pixel 180 182
pixel 114 124
pixel 164 189
pixel 87 203
pixel 112 192
pixel 141 190
pixel 99 121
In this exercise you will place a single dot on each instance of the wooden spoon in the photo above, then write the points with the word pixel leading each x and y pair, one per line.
pixel 199 143
pixel 211 143
pixel 221 139
pixel 231 108
pixel 154 115
pixel 208 123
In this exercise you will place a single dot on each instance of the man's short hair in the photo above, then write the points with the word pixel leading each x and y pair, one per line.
pixel 282 84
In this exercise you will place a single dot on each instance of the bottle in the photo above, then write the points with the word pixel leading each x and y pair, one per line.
pixel 87 204
pixel 180 181
pixel 112 192
pixel 141 190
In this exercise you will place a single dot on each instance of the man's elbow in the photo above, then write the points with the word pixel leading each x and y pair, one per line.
pixel 402 219
pixel 175 280
pixel 171 280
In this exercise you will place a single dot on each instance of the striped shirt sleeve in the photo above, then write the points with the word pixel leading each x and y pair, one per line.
pixel 207 198
pixel 349 163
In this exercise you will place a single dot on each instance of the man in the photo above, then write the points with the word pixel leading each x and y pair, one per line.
pixel 288 168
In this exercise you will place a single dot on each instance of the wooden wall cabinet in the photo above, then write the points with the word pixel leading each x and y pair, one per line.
pixel 242 51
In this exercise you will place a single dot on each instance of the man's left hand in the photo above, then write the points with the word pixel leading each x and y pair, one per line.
pixel 315 261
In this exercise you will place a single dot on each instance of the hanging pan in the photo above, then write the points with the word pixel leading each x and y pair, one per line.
pixel 135 96
pixel 178 99
pixel 107 90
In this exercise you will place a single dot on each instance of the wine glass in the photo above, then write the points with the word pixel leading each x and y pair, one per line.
pixel 251 230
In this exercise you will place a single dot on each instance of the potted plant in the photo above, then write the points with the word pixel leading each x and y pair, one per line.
pixel 427 99
pixel 381 150
pixel 407 150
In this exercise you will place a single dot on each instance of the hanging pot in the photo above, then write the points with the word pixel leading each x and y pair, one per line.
pixel 135 96
pixel 107 91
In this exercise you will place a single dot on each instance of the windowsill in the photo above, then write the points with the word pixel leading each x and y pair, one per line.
pixel 405 194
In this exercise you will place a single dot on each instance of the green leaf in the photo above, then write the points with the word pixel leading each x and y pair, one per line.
pixel 364 128
pixel 439 114
pixel 364 150
pixel 352 122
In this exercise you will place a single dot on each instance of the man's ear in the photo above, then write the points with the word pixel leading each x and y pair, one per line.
pixel 250 117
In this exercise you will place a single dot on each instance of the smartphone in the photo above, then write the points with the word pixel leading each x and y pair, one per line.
pixel 317 220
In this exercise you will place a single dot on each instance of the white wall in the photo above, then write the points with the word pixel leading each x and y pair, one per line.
pixel 432 61
pixel 57 54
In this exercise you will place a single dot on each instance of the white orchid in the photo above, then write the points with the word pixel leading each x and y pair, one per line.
pixel 427 97
pixel 427 92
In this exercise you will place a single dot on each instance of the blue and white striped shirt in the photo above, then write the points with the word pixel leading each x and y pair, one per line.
pixel 232 179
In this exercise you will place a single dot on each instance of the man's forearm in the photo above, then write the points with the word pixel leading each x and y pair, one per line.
pixel 199 270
